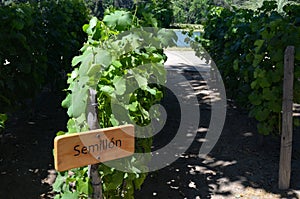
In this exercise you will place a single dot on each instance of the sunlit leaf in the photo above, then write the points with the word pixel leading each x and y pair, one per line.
pixel 118 19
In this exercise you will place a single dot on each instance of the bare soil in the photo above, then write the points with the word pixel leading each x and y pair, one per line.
pixel 242 164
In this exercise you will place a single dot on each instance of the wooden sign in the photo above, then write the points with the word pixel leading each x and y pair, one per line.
pixel 81 149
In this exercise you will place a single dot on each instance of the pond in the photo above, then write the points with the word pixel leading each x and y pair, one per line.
pixel 181 37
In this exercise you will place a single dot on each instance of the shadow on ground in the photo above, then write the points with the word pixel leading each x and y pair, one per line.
pixel 242 164
pixel 26 148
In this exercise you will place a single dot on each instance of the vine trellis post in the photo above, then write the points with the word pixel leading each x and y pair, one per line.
pixel 92 120
pixel 287 120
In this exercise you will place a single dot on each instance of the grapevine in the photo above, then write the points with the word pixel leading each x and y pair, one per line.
pixel 118 56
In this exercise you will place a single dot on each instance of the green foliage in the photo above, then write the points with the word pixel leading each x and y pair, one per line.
pixel 38 41
pixel 195 11
pixel 122 66
pixel 3 118
pixel 22 59
pixel 72 184
pixel 162 10
pixel 62 21
pixel 248 48
pixel 150 12
pixel 190 12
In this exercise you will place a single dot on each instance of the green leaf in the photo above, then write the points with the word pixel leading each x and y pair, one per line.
pixel 151 90
pixel 93 22
pixel 253 84
pixel 114 180
pixel 257 59
pixel 133 106
pixel 17 24
pixel 94 69
pixel 60 133
pixel 139 181
pixel 160 73
pixel 86 60
pixel 249 57
pixel 264 82
pixel 276 76
pixel 103 169
pixel 113 120
pixel 236 64
pixel 59 181
pixel 70 195
pixel 254 99
pixel 261 114
pixel 267 94
pixel 74 73
pixel 85 28
pixel 264 129
pixel 142 81
pixel 72 128
pixel 88 28
pixel 83 185
pixel 81 119
pixel 119 19
pixel 275 105
pixel 66 103
pixel 78 98
pixel 102 57
pixel 297 122
pixel 297 53
pixel 258 43
pixel 150 18
pixel 120 85
pixel 57 197
pixel 144 112
pixel 3 117
pixel 117 64
pixel 277 56
pixel 77 59
pixel 167 37
pixel 107 89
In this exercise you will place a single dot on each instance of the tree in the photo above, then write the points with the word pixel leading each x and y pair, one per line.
pixel 150 12
pixel 190 12
pixel 160 10
pixel 128 4
pixel 96 7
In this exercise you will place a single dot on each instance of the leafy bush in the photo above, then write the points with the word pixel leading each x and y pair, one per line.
pixel 248 47
pixel 62 21
pixel 122 66
pixel 38 41
pixel 23 60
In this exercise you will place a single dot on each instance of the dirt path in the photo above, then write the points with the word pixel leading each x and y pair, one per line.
pixel 237 167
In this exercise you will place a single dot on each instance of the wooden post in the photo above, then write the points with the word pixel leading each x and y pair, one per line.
pixel 287 120
pixel 93 124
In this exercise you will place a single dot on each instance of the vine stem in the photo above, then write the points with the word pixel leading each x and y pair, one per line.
pixel 134 15
pixel 92 120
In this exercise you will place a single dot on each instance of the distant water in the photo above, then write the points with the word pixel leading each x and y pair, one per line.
pixel 182 37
